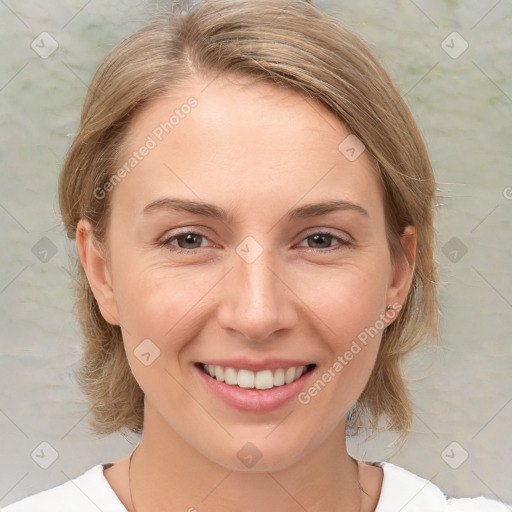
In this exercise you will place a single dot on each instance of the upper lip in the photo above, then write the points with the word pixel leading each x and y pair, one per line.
pixel 256 366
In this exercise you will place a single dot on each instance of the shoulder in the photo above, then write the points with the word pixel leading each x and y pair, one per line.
pixel 88 492
pixel 406 492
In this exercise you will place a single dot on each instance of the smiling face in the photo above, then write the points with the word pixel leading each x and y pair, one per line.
pixel 219 256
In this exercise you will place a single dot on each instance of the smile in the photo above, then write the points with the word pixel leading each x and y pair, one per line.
pixel 247 379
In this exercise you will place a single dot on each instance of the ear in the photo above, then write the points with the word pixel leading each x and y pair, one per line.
pixel 404 272
pixel 98 274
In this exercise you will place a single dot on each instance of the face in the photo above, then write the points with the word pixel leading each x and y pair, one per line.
pixel 219 256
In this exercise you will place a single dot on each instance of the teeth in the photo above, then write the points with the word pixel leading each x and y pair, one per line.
pixel 279 377
pixel 219 373
pixel 230 377
pixel 265 379
pixel 245 379
pixel 290 375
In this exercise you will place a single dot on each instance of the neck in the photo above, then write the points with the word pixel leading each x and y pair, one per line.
pixel 168 474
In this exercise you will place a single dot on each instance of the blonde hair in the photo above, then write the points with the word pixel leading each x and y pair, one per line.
pixel 289 44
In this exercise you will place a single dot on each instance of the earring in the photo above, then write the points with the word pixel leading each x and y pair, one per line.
pixel 389 307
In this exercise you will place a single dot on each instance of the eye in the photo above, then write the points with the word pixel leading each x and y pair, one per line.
pixel 324 239
pixel 186 241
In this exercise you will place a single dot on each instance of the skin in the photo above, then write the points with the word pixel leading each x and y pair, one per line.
pixel 256 150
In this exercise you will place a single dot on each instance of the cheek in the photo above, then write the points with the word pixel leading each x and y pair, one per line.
pixel 163 304
pixel 152 307
pixel 349 307
pixel 159 319
pixel 346 300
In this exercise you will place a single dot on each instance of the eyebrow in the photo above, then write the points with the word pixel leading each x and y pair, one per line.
pixel 211 210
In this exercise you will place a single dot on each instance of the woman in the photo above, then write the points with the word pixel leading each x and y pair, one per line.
pixel 270 139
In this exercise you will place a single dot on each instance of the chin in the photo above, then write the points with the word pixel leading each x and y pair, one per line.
pixel 258 453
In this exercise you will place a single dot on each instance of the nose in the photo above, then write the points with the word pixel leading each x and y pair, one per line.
pixel 256 300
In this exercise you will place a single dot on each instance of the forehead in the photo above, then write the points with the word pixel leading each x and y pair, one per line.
pixel 237 142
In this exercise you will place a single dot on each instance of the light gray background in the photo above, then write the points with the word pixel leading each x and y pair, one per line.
pixel 462 391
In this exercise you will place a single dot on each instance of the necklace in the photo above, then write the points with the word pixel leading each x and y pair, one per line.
pixel 130 481
pixel 133 509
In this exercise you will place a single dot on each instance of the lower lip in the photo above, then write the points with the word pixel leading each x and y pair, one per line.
pixel 254 400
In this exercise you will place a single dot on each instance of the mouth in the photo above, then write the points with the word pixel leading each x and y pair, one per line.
pixel 261 380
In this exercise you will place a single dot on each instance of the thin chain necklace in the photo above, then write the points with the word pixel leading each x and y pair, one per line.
pixel 135 510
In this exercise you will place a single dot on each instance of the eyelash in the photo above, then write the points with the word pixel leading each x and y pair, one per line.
pixel 343 243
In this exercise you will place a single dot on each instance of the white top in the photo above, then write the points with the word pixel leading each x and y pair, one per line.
pixel 402 491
